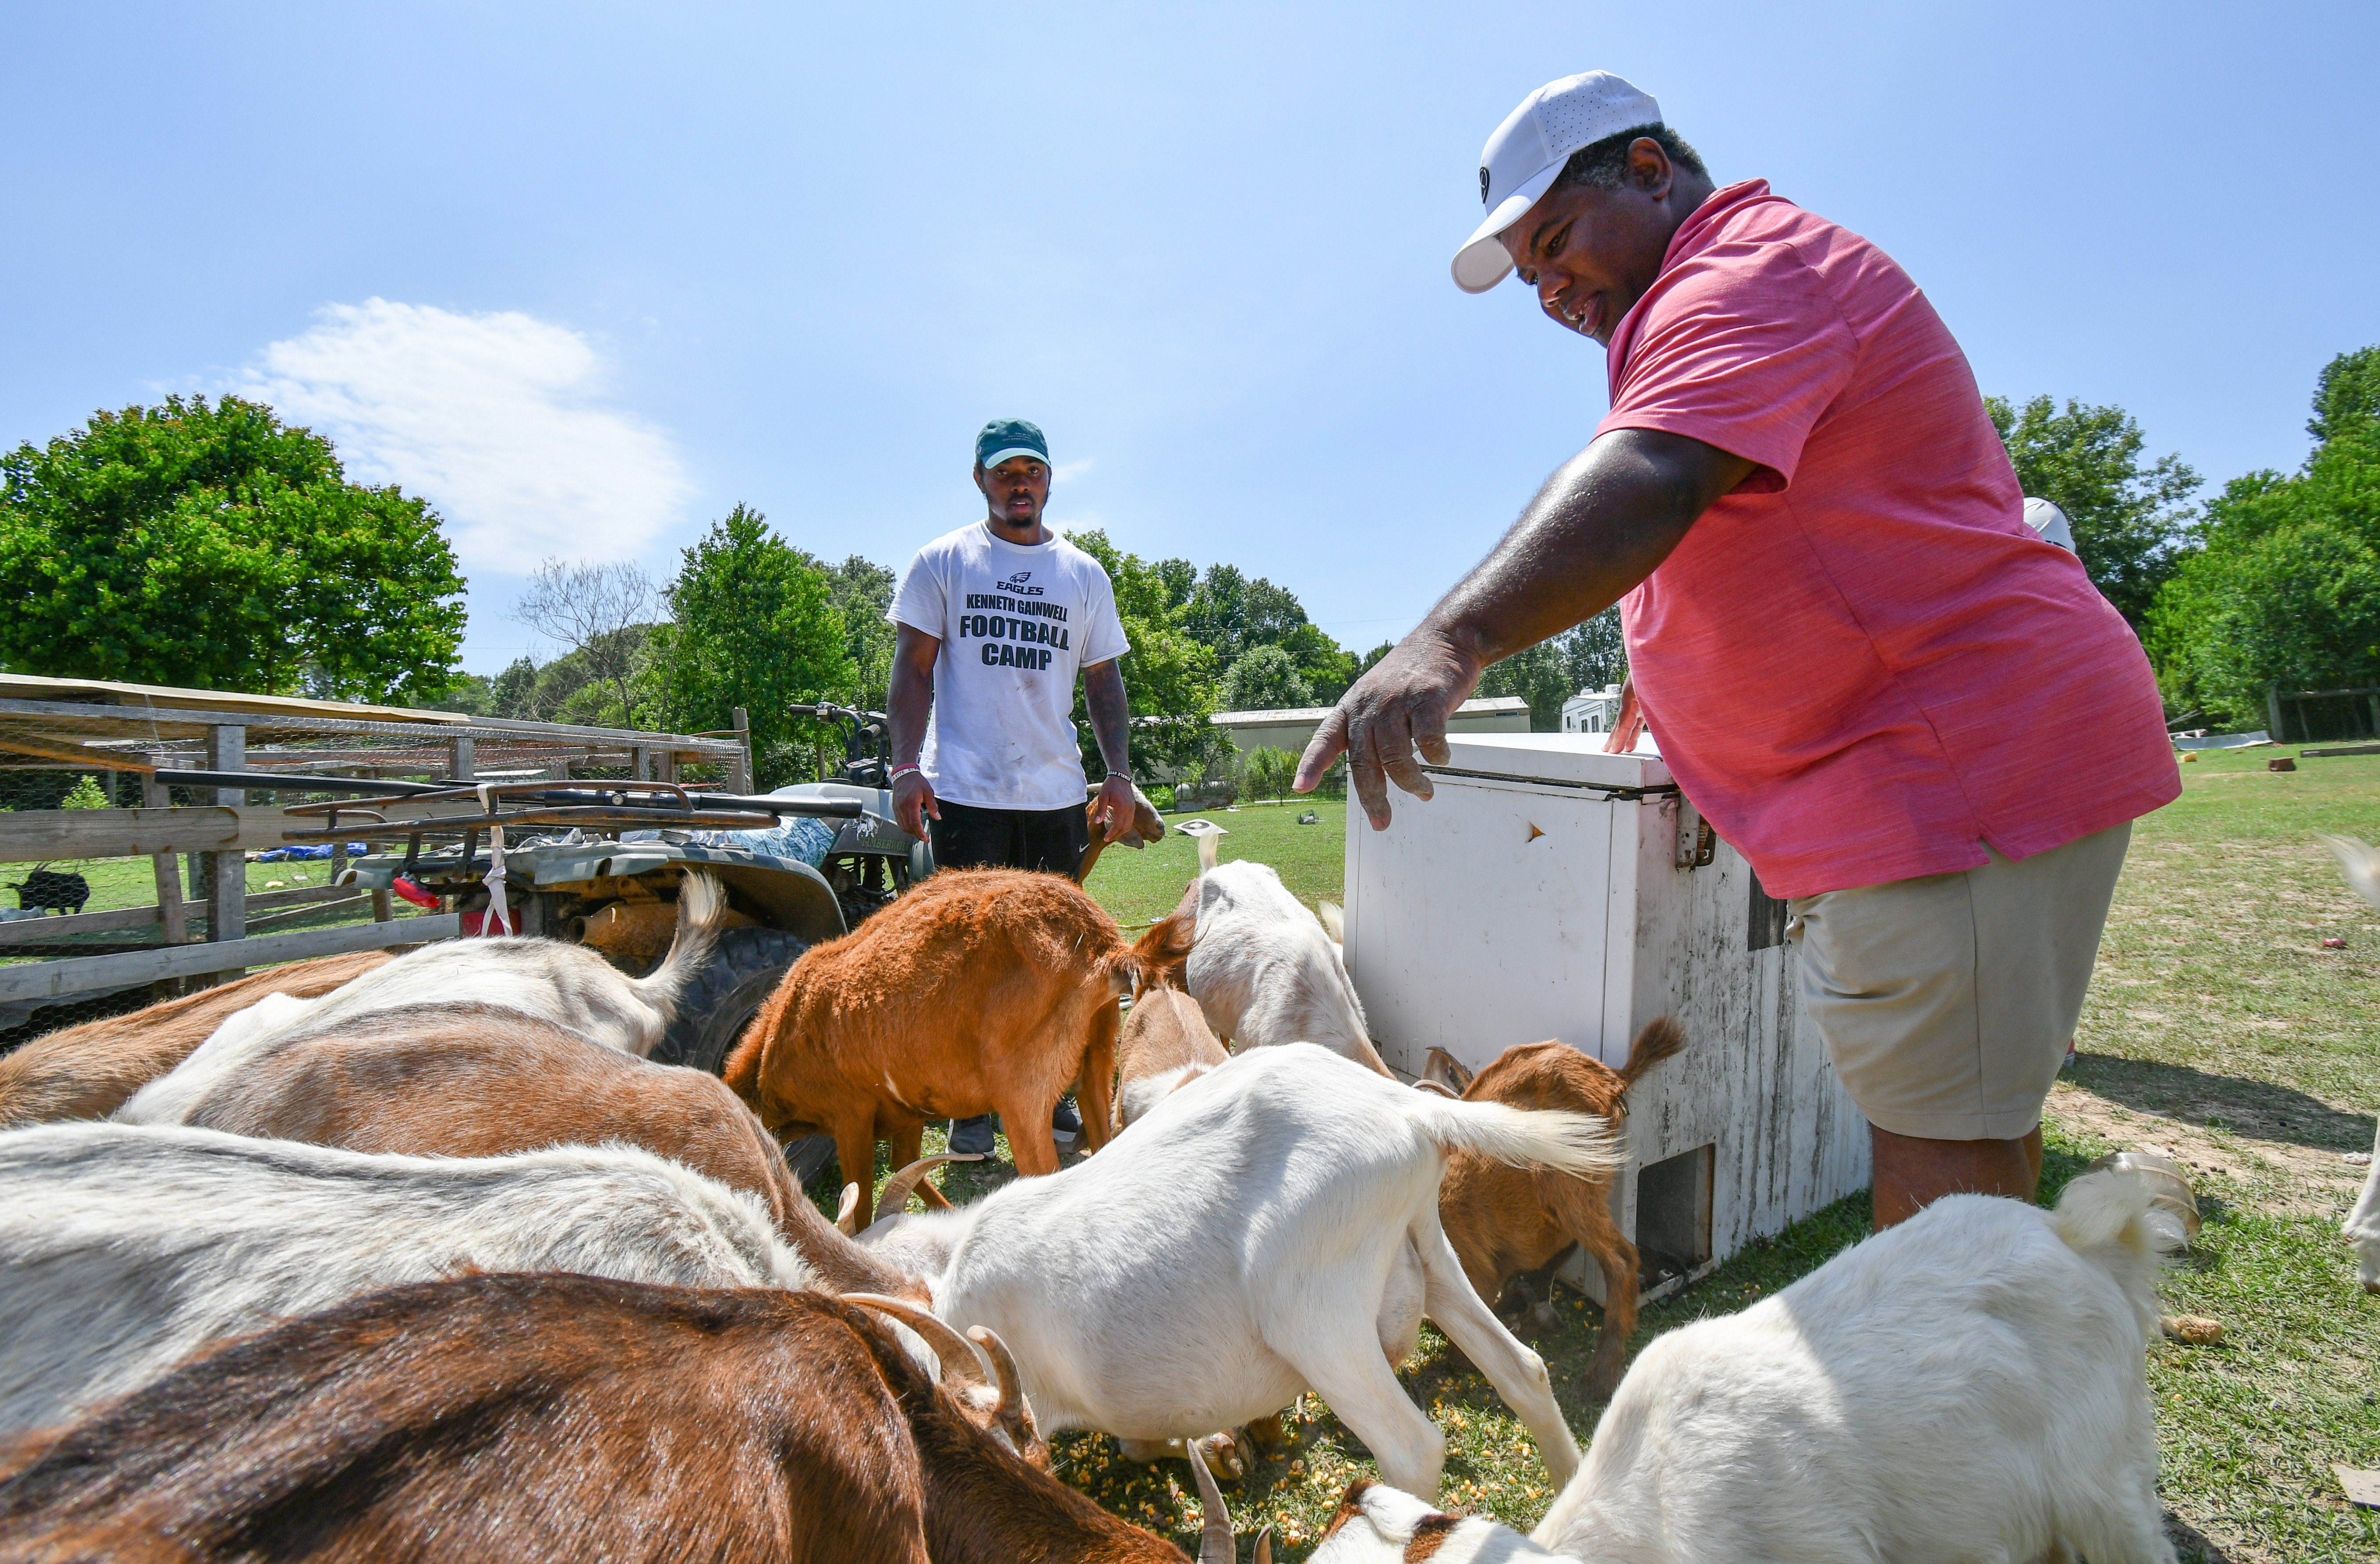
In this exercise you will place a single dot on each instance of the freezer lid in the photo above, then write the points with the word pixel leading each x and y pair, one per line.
pixel 1567 760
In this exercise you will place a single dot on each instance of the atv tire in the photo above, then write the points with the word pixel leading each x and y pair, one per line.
pixel 743 971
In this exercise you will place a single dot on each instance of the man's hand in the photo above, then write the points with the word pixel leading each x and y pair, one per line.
pixel 913 803
pixel 1113 808
pixel 1400 706
pixel 1602 523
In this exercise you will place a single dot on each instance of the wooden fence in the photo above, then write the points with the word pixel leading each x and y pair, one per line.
pixel 61 727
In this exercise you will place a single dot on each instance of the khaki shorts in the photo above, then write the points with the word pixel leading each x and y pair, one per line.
pixel 1948 1001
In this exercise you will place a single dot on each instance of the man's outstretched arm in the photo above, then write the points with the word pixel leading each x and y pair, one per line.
pixel 1103 692
pixel 1601 524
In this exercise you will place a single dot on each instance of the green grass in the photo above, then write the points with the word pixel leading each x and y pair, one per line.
pixel 2215 1014
pixel 132 882
pixel 1139 888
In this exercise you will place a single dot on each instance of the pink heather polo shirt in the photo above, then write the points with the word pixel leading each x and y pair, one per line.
pixel 1861 664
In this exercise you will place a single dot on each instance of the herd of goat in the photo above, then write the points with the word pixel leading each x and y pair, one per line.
pixel 421 1257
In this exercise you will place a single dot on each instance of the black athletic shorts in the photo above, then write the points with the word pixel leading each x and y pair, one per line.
pixel 969 838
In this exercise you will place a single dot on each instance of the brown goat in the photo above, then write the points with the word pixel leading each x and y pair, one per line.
pixel 1504 1222
pixel 87 1071
pixel 981 991
pixel 552 1418
pixel 1166 1044
pixel 471 1080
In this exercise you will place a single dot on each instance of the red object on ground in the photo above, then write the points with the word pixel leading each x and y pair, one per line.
pixel 2333 944
pixel 413 893
pixel 2283 764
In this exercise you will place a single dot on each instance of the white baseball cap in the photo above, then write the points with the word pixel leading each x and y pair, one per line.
pixel 1525 155
pixel 2050 524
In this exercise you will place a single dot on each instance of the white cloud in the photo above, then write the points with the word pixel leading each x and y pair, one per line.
pixel 496 419
pixel 1064 471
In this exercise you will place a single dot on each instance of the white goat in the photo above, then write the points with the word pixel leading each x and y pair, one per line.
pixel 570 986
pixel 2361 864
pixel 124 1250
pixel 1269 1227
pixel 1969 1385
pixel 1265 971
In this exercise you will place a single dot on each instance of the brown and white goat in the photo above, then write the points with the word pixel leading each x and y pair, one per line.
pixel 980 991
pixel 88 1072
pixel 471 1080
pixel 1507 1221
pixel 556 1417
pixel 1165 1044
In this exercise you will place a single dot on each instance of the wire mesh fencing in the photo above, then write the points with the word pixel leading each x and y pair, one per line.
pixel 111 856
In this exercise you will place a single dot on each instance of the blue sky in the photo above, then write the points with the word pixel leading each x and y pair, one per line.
pixel 588 276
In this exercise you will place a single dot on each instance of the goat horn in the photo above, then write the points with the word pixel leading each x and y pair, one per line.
pixel 1013 1414
pixel 1215 1544
pixel 960 1365
pixel 1425 1085
pixel 846 1213
pixel 1263 1554
pixel 901 1185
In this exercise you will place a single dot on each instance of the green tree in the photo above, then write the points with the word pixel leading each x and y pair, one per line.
pixel 513 693
pixel 861 591
pixel 1233 615
pixel 85 795
pixel 754 625
pixel 1270 771
pixel 2130 521
pixel 2285 586
pixel 1540 675
pixel 2347 397
pixel 1169 677
pixel 1265 678
pixel 209 545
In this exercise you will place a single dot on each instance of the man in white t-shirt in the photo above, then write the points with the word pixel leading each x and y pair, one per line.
pixel 994 621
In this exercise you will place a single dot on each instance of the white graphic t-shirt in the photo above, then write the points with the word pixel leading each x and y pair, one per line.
pixel 1015 624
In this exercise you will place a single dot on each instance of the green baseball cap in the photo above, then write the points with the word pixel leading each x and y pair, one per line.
pixel 1003 438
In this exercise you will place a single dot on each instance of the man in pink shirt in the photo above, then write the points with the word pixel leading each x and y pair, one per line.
pixel 1920 721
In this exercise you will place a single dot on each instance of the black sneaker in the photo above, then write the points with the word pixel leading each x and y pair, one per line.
pixel 972 1137
pixel 1065 1124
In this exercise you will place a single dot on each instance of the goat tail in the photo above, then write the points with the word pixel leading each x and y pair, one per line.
pixel 1155 958
pixel 701 909
pixel 2108 1218
pixel 1661 1038
pixel 1584 1145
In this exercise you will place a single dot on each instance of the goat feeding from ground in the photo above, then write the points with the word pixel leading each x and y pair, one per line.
pixel 1507 1223
pixel 2361 864
pixel 1268 1229
pixel 87 1071
pixel 980 991
pixel 558 1418
pixel 1266 970
pixel 123 1250
pixel 1970 1383
pixel 1165 1044
pixel 569 986
pixel 472 1080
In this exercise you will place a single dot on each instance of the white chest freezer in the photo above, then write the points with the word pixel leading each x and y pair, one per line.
pixel 1549 890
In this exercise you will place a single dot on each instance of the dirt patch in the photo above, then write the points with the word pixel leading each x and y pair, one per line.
pixel 2309 1180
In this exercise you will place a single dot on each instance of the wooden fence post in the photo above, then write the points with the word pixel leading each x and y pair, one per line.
pixel 741 779
pixel 171 913
pixel 2273 714
pixel 463 760
pixel 227 896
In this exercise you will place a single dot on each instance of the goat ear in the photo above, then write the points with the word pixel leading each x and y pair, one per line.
pixel 846 1214
pixel 1445 1070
